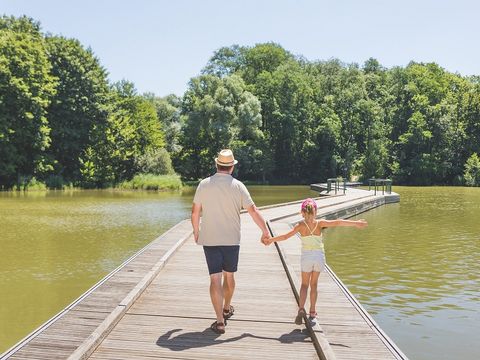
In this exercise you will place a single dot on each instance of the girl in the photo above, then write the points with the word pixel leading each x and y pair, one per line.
pixel 313 257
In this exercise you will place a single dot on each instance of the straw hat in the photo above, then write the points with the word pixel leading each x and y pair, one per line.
pixel 225 158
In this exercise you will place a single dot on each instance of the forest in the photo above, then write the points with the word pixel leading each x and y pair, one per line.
pixel 289 120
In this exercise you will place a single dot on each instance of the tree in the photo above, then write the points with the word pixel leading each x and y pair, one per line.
pixel 287 97
pixel 79 103
pixel 216 111
pixel 373 157
pixel 427 125
pixel 470 112
pixel 168 112
pixel 26 89
pixel 472 171
pixel 262 58
pixel 156 161
pixel 250 145
pixel 323 156
pixel 131 130
pixel 415 160
pixel 226 61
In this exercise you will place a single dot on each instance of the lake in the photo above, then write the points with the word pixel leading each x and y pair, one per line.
pixel 416 268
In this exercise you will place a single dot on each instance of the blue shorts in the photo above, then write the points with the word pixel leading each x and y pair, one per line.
pixel 221 258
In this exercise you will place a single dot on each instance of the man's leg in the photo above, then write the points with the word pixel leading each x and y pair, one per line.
pixel 228 288
pixel 230 263
pixel 216 295
pixel 213 256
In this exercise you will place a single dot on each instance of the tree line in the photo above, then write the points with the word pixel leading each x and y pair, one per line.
pixel 61 121
pixel 288 119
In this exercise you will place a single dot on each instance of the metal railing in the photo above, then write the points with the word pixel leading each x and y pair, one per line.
pixel 386 185
pixel 336 184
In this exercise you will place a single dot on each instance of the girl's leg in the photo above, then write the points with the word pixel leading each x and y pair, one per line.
pixel 304 289
pixel 303 298
pixel 313 291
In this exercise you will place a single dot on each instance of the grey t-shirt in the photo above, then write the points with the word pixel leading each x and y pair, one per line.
pixel 222 197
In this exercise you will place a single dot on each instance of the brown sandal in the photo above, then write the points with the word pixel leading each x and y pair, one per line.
pixel 301 313
pixel 228 313
pixel 215 327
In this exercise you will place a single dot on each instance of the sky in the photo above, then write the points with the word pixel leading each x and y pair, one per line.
pixel 160 45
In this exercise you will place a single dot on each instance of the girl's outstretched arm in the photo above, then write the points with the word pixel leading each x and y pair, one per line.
pixel 285 236
pixel 340 222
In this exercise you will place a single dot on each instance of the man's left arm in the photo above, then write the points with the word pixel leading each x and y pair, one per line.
pixel 259 220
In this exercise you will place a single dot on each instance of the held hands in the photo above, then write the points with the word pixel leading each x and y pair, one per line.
pixel 265 239
pixel 269 242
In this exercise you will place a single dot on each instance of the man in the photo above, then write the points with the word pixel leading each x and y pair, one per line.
pixel 220 198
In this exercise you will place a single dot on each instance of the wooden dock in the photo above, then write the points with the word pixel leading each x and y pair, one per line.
pixel 157 305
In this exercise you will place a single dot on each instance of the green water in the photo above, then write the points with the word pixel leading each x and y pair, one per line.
pixel 416 268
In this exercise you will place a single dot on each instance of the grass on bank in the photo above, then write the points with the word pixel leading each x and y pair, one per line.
pixel 139 182
pixel 33 185
pixel 152 182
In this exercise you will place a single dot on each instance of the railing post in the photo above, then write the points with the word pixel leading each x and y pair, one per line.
pixel 385 183
pixel 336 182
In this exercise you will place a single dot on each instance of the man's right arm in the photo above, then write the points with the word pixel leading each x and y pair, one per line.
pixel 259 220
pixel 196 209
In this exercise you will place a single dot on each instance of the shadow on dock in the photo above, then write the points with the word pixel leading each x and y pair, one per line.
pixel 207 337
